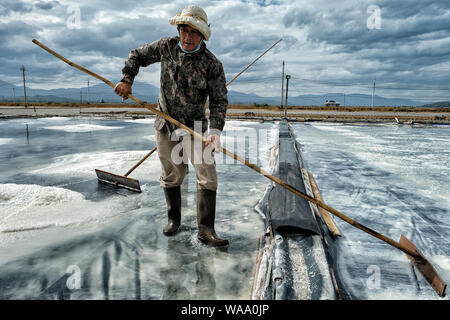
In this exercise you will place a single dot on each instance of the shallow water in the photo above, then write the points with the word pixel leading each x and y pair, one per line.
pixel 394 180
pixel 62 235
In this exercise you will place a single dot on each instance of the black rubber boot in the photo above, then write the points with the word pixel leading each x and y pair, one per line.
pixel 206 215
pixel 173 200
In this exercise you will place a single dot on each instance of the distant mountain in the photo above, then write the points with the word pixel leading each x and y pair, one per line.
pixel 442 104
pixel 96 93
pixel 149 93
pixel 354 99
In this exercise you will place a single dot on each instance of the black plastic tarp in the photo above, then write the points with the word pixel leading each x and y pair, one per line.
pixel 290 213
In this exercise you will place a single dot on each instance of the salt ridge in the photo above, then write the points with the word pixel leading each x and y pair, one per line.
pixel 80 128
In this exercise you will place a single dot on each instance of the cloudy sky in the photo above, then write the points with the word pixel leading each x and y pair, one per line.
pixel 328 46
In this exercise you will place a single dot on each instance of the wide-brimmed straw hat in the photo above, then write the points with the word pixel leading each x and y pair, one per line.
pixel 195 17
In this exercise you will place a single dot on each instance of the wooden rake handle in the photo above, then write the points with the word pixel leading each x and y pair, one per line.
pixel 140 162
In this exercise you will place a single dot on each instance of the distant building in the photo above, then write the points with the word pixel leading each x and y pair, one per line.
pixel 332 103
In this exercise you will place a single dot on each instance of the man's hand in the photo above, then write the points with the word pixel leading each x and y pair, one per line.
pixel 123 89
pixel 214 140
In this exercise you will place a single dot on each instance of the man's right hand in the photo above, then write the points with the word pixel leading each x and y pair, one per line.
pixel 123 89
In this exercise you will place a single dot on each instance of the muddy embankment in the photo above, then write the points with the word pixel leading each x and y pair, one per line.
pixel 401 115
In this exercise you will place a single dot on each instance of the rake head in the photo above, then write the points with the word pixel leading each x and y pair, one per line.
pixel 118 180
pixel 425 267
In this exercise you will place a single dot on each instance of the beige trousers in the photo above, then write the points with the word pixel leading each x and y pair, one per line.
pixel 174 156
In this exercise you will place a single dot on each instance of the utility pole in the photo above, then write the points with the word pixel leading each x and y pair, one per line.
pixel 14 95
pixel 373 91
pixel 344 99
pixel 287 90
pixel 89 94
pixel 81 97
pixel 24 87
pixel 282 86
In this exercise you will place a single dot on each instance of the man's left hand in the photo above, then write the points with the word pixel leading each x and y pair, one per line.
pixel 214 140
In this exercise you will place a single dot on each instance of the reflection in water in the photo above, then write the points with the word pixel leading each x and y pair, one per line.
pixel 105 274
pixel 180 254
pixel 205 270
pixel 124 263
pixel 137 279
pixel 118 250
pixel 28 135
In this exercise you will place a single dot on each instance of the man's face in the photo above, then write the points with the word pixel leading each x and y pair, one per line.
pixel 189 37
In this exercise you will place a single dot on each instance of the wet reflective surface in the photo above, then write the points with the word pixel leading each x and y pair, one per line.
pixel 394 180
pixel 64 236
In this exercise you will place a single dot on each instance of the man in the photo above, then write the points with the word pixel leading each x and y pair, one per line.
pixel 189 74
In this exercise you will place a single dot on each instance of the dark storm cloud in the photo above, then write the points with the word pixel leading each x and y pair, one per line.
pixel 13 35
pixel 321 40
pixel 15 6
pixel 114 39
pixel 413 35
pixel 116 36
pixel 402 22
pixel 46 5
pixel 411 8
pixel 15 28
pixel 90 43
pixel 300 17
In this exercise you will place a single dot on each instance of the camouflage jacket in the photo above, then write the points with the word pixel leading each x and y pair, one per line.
pixel 187 79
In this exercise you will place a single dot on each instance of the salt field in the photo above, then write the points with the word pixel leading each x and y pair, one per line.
pixel 55 218
pixel 395 181
pixel 63 235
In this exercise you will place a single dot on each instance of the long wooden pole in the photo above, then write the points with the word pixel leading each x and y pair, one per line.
pixel 140 162
pixel 244 161
pixel 243 70
pixel 326 217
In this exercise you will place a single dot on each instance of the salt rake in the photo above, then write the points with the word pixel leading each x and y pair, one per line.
pixel 123 181
pixel 421 263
